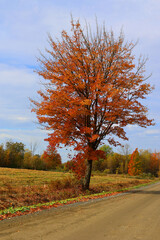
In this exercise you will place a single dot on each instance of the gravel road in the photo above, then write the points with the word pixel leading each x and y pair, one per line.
pixel 132 216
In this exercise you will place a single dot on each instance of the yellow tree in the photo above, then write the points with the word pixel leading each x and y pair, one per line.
pixel 92 90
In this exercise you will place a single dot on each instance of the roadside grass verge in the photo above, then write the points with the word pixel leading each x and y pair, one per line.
pixel 18 211
pixel 26 191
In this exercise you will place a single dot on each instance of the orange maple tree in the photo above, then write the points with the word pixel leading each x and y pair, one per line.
pixel 154 163
pixel 135 166
pixel 51 158
pixel 91 91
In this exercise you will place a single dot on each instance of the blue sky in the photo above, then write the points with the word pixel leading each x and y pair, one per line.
pixel 24 26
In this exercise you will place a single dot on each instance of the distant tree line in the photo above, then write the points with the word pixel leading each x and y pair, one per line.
pixel 141 162
pixel 15 155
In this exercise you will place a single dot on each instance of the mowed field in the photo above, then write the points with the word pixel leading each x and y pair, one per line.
pixel 22 187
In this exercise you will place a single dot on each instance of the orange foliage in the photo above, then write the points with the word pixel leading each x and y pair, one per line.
pixel 134 166
pixel 154 163
pixel 92 90
pixel 78 163
pixel 51 158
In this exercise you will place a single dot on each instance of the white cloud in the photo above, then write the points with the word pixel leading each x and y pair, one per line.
pixel 132 127
pixel 5 136
pixel 22 119
pixel 16 86
pixel 16 118
pixel 17 76
pixel 152 131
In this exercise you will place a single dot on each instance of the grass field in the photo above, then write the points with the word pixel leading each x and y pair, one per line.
pixel 22 187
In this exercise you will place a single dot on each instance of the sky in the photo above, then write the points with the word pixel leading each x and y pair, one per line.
pixel 24 27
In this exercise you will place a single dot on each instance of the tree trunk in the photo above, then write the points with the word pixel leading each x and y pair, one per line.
pixel 87 175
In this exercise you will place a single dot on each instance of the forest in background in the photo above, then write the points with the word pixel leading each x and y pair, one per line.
pixel 140 162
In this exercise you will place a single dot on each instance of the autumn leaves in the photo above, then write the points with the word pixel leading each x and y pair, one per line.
pixel 92 91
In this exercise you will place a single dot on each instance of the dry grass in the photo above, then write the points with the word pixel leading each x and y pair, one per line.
pixel 21 187
pixel 25 177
